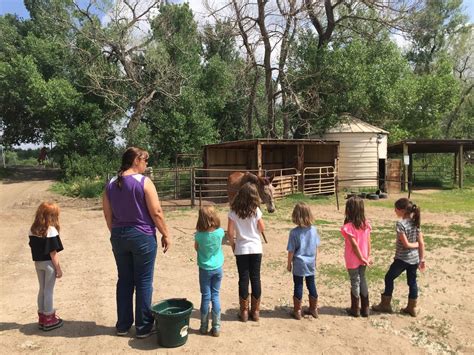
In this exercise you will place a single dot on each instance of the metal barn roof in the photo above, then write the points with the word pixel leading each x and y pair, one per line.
pixel 351 124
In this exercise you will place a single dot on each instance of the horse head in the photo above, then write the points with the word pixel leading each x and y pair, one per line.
pixel 266 190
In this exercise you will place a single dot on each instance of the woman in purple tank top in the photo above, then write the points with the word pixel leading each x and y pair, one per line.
pixel 132 211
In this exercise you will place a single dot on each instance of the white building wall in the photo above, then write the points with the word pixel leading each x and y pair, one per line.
pixel 358 157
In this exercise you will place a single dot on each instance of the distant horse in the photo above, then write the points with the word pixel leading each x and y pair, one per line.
pixel 43 155
pixel 264 187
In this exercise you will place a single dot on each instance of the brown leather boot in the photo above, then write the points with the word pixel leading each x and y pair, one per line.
pixel 385 305
pixel 296 308
pixel 411 307
pixel 313 306
pixel 244 309
pixel 354 311
pixel 255 309
pixel 364 306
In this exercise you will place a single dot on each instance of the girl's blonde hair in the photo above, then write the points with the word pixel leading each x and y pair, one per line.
pixel 355 212
pixel 47 215
pixel 302 215
pixel 246 202
pixel 207 219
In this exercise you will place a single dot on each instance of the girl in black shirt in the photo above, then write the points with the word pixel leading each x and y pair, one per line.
pixel 45 245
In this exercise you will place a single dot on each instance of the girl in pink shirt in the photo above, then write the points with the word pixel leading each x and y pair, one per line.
pixel 356 233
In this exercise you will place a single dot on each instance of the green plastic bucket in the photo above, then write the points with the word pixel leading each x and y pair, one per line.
pixel 172 321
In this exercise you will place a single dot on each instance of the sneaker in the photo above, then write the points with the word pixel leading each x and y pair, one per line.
pixel 146 335
pixel 121 333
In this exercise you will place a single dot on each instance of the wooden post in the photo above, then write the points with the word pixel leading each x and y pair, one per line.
pixel 461 165
pixel 300 165
pixel 455 175
pixel 405 167
pixel 193 202
pixel 410 170
pixel 259 159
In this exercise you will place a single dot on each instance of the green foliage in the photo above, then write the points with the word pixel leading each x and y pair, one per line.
pixel 89 166
pixel 80 187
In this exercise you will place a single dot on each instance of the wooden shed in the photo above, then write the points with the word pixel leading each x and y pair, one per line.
pixel 270 154
pixel 362 152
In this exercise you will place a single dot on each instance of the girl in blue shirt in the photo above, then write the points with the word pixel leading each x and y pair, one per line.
pixel 302 249
pixel 210 258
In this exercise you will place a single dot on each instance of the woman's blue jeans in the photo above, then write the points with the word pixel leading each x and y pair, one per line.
pixel 210 284
pixel 135 254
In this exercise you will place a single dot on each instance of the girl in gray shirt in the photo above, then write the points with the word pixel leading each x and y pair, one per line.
pixel 409 256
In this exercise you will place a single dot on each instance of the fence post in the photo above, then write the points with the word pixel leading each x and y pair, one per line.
pixel 200 195
pixel 193 202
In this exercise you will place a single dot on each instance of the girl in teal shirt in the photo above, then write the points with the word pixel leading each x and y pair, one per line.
pixel 210 258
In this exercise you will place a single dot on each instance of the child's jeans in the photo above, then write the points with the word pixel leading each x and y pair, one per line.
pixel 358 281
pixel 248 266
pixel 210 283
pixel 310 284
pixel 397 267
pixel 47 278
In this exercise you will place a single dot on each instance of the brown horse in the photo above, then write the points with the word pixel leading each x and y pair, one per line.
pixel 264 187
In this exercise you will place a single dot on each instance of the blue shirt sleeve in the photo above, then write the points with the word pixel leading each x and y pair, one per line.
pixel 291 243
pixel 316 234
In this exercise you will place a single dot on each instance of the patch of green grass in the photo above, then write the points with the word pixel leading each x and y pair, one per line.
pixel 448 200
pixel 80 187
pixel 320 222
pixel 382 239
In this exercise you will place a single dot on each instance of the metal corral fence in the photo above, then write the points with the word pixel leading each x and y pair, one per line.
pixel 319 180
pixel 196 184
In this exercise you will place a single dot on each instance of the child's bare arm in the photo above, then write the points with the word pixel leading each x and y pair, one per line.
pixel 231 233
pixel 55 261
pixel 421 251
pixel 290 260
pixel 406 243
pixel 196 246
pixel 261 225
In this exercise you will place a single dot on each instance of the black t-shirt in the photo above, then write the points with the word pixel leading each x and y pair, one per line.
pixel 42 246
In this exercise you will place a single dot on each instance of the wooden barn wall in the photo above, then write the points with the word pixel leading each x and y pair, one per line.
pixel 319 155
pixel 357 158
pixel 227 158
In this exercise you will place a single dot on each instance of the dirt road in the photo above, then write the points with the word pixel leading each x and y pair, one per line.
pixel 85 296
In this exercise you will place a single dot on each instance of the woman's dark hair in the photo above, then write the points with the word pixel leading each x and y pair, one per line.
pixel 128 158
pixel 410 209
pixel 355 213
pixel 246 202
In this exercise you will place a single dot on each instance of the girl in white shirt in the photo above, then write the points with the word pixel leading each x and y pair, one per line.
pixel 245 224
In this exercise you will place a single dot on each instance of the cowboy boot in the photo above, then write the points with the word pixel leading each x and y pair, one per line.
pixel 385 305
pixel 364 306
pixel 255 309
pixel 244 309
pixel 204 323
pixel 354 311
pixel 51 321
pixel 40 320
pixel 410 308
pixel 296 308
pixel 313 306
pixel 216 324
